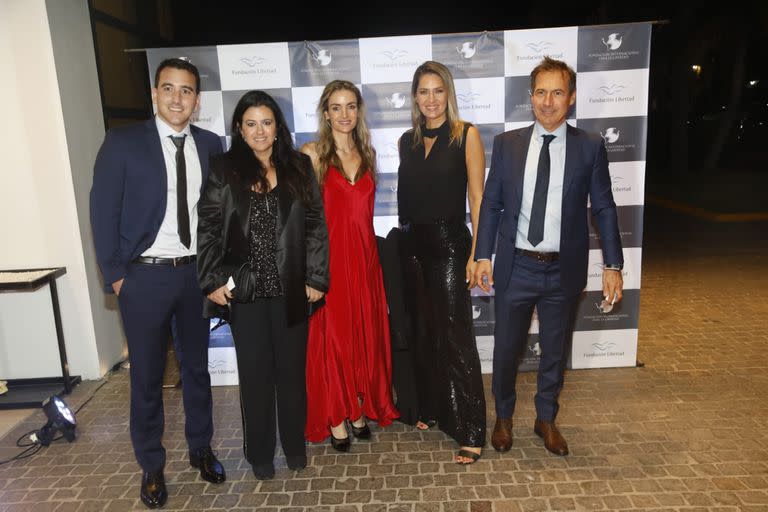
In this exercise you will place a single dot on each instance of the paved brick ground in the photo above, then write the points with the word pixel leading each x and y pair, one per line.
pixel 686 432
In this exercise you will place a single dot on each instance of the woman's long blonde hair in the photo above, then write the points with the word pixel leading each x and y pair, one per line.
pixel 326 146
pixel 451 113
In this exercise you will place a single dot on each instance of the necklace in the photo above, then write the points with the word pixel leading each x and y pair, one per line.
pixel 434 132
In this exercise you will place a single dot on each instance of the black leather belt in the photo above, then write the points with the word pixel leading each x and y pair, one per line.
pixel 174 262
pixel 546 257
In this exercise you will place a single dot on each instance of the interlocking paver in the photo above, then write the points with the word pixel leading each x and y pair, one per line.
pixel 686 432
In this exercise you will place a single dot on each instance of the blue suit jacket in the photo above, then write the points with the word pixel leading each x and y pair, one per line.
pixel 586 176
pixel 130 190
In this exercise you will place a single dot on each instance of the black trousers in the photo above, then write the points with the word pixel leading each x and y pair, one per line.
pixel 449 379
pixel 271 360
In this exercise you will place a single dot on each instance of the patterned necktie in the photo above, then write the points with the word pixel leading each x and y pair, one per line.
pixel 539 207
pixel 182 211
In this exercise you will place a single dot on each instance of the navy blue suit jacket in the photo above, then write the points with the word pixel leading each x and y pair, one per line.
pixel 586 177
pixel 130 191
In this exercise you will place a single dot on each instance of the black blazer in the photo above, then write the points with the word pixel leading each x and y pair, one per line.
pixel 222 237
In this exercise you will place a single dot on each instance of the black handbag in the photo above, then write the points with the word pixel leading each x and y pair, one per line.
pixel 245 284
pixel 314 306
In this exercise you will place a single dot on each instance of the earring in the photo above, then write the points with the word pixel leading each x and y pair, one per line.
pixel 275 137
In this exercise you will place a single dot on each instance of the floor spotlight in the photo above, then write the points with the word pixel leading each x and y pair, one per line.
pixel 60 419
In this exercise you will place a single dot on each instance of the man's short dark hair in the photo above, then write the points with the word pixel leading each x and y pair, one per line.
pixel 178 63
pixel 550 64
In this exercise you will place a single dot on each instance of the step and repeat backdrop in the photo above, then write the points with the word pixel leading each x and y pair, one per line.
pixel 491 71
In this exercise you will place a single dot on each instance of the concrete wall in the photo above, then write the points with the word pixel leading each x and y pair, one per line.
pixel 49 136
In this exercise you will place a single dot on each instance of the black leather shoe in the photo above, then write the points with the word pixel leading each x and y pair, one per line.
pixel 263 471
pixel 363 432
pixel 340 445
pixel 296 462
pixel 209 466
pixel 153 491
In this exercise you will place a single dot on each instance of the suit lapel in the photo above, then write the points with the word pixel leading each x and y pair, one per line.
pixel 519 155
pixel 284 201
pixel 571 158
pixel 155 156
pixel 202 154
pixel 242 202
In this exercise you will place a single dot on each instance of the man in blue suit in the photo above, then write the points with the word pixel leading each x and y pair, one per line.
pixel 535 199
pixel 147 181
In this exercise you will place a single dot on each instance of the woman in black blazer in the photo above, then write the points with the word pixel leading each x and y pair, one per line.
pixel 261 223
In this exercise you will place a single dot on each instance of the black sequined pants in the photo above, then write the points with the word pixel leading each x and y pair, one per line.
pixel 449 381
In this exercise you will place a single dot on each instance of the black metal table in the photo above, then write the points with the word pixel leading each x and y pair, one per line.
pixel 25 393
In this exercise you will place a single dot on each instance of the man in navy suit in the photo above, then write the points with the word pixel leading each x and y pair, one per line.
pixel 147 181
pixel 535 199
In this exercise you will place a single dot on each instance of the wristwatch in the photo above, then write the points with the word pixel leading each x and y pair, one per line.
pixel 614 266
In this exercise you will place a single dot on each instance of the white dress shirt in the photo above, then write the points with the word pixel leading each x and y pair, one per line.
pixel 553 215
pixel 167 243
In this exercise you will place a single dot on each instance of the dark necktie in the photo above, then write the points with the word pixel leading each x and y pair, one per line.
pixel 539 207
pixel 182 212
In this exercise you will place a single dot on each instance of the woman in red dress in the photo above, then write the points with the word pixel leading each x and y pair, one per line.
pixel 349 371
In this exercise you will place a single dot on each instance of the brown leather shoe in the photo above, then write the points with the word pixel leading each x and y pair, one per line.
pixel 502 435
pixel 553 439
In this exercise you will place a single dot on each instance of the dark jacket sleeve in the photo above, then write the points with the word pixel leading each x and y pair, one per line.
pixel 106 208
pixel 604 208
pixel 317 236
pixel 210 232
pixel 492 205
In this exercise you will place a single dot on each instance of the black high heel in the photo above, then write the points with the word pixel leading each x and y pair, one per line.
pixel 341 445
pixel 363 432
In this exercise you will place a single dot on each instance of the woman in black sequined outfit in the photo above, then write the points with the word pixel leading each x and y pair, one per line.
pixel 263 249
pixel 441 159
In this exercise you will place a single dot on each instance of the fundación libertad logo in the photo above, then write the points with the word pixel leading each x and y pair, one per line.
pixel 467 49
pixel 618 185
pixel 467 97
pixel 613 42
pixel 476 312
pixel 610 135
pixel 252 61
pixel 468 100
pixel 257 64
pixel 612 89
pixel 539 46
pixel 535 349
pixel 603 347
pixel 394 54
pixel 322 57
pixel 215 363
pixel 396 100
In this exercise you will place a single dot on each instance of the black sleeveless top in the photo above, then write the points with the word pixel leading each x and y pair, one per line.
pixel 434 188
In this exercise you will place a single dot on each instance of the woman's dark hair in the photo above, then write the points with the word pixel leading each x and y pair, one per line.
pixel 286 159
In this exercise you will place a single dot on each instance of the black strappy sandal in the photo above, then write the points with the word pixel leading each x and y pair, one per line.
pixel 429 423
pixel 469 455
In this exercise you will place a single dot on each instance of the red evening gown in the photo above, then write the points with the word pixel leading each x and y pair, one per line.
pixel 348 352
